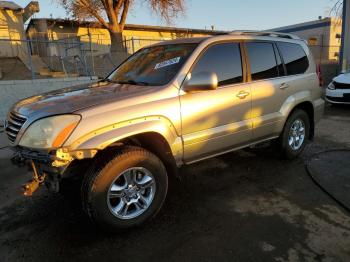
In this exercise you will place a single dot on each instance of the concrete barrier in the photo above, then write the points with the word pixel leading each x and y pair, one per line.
pixel 15 90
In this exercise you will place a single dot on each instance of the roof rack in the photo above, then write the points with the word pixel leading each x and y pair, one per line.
pixel 265 33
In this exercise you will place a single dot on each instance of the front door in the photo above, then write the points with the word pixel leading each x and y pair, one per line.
pixel 218 120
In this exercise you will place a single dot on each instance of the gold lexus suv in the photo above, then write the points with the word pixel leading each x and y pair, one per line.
pixel 170 104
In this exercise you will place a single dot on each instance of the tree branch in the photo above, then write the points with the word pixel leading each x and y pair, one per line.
pixel 93 12
pixel 112 14
pixel 124 14
pixel 117 6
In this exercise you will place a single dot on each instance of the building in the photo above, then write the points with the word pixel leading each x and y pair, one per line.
pixel 345 50
pixel 12 18
pixel 13 48
pixel 84 47
pixel 323 37
pixel 97 39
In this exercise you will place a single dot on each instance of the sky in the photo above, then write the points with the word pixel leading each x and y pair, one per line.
pixel 222 14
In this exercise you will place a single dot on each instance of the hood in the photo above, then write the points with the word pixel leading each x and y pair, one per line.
pixel 69 100
pixel 343 78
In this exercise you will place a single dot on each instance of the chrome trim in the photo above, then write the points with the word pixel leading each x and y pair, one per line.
pixel 15 122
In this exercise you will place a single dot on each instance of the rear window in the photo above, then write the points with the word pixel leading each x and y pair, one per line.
pixel 262 60
pixel 294 58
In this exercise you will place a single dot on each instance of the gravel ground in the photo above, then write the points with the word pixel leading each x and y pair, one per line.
pixel 244 206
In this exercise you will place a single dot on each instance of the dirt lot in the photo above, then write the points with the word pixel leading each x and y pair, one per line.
pixel 244 206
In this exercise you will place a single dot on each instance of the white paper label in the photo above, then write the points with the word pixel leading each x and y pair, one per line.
pixel 167 63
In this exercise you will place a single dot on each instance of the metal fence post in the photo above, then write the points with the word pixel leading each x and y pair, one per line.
pixel 132 44
pixel 30 60
pixel 92 58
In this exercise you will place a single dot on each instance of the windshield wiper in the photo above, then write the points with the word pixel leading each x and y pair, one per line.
pixel 133 82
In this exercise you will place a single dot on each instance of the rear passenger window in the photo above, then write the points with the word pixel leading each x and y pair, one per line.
pixel 224 60
pixel 294 58
pixel 262 60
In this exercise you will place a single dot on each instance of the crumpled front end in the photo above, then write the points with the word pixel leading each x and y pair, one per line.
pixel 49 164
pixel 49 167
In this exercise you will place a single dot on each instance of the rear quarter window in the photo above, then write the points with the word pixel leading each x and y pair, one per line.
pixel 294 58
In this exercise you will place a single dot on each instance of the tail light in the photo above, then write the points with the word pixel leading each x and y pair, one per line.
pixel 319 74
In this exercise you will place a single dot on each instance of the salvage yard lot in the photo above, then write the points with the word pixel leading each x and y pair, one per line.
pixel 244 206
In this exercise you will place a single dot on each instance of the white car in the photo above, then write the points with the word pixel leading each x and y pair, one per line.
pixel 338 91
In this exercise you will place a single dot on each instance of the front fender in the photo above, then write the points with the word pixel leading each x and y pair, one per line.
pixel 101 138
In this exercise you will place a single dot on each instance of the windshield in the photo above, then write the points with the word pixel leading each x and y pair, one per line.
pixel 155 65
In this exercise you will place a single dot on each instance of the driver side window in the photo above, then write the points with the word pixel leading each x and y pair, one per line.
pixel 224 60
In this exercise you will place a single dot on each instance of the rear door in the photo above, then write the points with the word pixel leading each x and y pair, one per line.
pixel 269 87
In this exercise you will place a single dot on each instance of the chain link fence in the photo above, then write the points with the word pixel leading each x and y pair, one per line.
pixel 89 55
pixel 69 56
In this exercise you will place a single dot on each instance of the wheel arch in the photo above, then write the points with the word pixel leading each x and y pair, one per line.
pixel 307 107
pixel 156 144
pixel 155 134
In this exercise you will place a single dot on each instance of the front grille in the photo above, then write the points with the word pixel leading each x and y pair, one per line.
pixel 344 99
pixel 14 125
pixel 341 85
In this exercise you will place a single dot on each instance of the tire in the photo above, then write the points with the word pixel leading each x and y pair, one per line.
pixel 116 180
pixel 289 151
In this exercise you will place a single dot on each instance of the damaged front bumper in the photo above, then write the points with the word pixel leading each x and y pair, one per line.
pixel 49 167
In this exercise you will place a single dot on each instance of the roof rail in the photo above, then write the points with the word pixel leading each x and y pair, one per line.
pixel 265 33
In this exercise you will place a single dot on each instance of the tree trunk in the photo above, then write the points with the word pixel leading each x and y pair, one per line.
pixel 118 52
pixel 117 42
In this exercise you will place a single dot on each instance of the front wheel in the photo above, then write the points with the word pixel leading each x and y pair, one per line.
pixel 125 190
pixel 295 134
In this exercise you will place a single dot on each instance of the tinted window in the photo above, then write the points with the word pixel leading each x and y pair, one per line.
pixel 224 60
pixel 294 58
pixel 262 60
pixel 155 65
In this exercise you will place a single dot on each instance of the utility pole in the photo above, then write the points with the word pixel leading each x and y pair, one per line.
pixel 345 41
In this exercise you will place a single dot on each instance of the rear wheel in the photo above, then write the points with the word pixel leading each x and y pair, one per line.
pixel 126 190
pixel 295 134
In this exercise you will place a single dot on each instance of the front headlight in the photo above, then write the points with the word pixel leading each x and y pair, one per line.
pixel 331 86
pixel 50 132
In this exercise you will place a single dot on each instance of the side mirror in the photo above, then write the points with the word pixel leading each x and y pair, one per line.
pixel 201 81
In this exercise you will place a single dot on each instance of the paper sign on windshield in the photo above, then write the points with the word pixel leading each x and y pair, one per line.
pixel 167 62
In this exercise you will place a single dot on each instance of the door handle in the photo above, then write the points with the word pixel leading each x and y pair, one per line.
pixel 242 94
pixel 284 86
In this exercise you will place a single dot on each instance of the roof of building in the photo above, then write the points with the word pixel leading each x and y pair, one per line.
pixel 127 26
pixel 190 40
pixel 9 5
pixel 305 26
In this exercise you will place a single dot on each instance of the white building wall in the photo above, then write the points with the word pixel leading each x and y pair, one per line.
pixel 16 90
pixel 323 37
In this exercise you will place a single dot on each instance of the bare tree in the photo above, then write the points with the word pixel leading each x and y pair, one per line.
pixel 112 14
pixel 337 11
pixel 337 8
